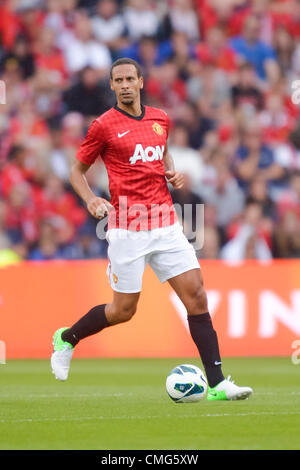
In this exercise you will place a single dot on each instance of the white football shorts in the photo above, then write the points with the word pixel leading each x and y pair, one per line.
pixel 165 249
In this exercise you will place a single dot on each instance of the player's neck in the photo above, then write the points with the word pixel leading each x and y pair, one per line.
pixel 135 109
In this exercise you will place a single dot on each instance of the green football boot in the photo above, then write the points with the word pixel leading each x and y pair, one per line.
pixel 61 356
pixel 228 390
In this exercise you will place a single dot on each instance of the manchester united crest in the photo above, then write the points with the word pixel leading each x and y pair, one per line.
pixel 157 128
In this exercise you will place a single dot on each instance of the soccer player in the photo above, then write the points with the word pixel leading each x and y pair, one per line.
pixel 131 139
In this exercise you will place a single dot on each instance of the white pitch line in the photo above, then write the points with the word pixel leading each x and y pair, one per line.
pixel 102 395
pixel 95 418
pixel 57 395
pixel 274 391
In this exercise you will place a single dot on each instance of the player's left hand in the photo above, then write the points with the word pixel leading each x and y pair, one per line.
pixel 175 178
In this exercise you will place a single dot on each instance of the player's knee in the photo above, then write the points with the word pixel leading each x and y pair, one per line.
pixel 198 302
pixel 122 314
pixel 127 312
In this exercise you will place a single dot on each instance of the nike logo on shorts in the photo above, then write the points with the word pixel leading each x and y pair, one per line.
pixel 121 135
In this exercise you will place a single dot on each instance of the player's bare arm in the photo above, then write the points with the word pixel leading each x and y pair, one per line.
pixel 97 206
pixel 173 176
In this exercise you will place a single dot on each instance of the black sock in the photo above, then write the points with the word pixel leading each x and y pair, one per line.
pixel 93 322
pixel 206 340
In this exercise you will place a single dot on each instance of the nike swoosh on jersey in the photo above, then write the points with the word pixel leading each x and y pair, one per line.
pixel 121 135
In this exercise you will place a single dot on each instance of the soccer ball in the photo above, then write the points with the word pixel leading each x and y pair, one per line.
pixel 186 384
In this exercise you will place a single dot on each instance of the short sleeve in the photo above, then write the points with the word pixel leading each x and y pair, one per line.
pixel 93 144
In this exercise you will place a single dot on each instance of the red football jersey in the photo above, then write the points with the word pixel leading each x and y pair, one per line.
pixel 132 150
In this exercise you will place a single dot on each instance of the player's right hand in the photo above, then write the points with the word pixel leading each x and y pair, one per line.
pixel 99 207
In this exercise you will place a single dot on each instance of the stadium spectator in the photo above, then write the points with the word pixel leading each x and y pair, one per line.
pixel 21 220
pixel 29 126
pixel 197 123
pixel 183 19
pixel 21 55
pixel 286 236
pixel 222 191
pixel 54 16
pixel 86 245
pixel 47 247
pixel 246 96
pixel 258 193
pixel 89 96
pixel 16 171
pixel 147 52
pixel 140 19
pixel 289 199
pixel 248 242
pixel 287 154
pixel 31 18
pixel 49 58
pixel 275 119
pixel 16 88
pixel 9 24
pixel 164 88
pixel 284 46
pixel 60 17
pixel 209 88
pixel 186 160
pixel 109 25
pixel 82 50
pixel 261 9
pixel 255 158
pixel 251 49
pixel 72 131
pixel 58 157
pixel 58 206
pixel 182 53
pixel 287 14
pixel 216 52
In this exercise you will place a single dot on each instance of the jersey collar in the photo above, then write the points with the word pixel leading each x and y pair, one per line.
pixel 137 118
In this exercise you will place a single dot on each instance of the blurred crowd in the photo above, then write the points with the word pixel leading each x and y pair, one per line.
pixel 223 70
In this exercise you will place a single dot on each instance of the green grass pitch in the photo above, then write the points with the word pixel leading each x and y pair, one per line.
pixel 122 404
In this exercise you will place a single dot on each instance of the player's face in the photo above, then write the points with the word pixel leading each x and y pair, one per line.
pixel 126 84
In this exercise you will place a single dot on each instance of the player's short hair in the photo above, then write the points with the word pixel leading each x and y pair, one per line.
pixel 126 60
